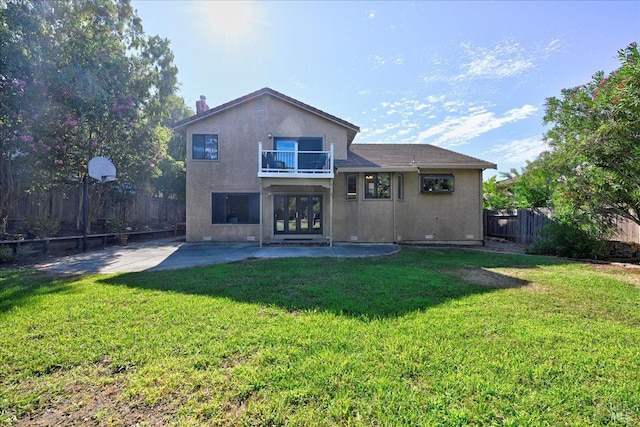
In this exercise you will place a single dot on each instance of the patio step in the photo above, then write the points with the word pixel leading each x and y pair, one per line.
pixel 296 242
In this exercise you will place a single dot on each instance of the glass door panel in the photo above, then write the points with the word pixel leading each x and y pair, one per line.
pixel 317 214
pixel 285 153
pixel 292 223
pixel 279 214
pixel 297 214
pixel 303 217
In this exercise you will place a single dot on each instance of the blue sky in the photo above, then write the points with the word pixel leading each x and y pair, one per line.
pixel 467 76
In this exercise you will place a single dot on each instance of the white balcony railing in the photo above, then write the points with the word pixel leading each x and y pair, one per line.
pixel 294 163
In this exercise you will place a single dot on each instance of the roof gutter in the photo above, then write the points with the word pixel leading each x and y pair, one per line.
pixel 448 166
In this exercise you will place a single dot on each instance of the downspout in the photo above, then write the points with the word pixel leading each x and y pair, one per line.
pixel 481 209
pixel 331 165
pixel 261 211
pixel 331 213
pixel 261 192
pixel 395 200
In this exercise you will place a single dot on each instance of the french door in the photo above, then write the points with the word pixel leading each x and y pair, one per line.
pixel 297 214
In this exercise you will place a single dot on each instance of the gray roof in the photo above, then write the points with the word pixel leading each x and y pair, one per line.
pixel 399 157
pixel 352 129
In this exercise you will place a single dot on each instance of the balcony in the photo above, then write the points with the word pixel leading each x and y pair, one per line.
pixel 295 163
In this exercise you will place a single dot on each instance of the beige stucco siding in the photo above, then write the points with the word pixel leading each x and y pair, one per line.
pixel 239 130
pixel 452 217
pixel 449 217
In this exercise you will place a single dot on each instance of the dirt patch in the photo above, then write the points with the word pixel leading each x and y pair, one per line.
pixel 495 278
pixel 489 278
pixel 97 399
pixel 624 271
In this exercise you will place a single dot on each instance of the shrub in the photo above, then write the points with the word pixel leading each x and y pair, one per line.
pixel 567 240
pixel 6 255
pixel 114 226
pixel 41 226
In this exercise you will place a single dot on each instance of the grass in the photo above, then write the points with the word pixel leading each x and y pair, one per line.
pixel 424 337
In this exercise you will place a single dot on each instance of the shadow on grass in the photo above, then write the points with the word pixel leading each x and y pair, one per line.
pixel 19 285
pixel 414 279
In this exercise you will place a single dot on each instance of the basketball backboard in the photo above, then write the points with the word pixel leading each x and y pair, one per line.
pixel 102 169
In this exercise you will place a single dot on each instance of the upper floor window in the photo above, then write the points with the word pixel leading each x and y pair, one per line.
pixel 377 185
pixel 437 183
pixel 352 186
pixel 205 147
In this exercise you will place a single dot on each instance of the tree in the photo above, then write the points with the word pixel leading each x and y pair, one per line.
pixel 77 80
pixel 170 184
pixel 533 187
pixel 595 137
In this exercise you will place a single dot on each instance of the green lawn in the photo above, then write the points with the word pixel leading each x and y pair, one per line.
pixel 424 337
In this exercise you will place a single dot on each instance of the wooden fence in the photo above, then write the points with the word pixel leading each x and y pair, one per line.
pixel 523 225
pixel 66 207
pixel 516 225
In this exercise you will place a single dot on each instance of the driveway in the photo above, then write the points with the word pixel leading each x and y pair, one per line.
pixel 172 254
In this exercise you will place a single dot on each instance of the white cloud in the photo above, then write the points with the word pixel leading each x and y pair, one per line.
pixel 402 120
pixel 380 61
pixel 518 151
pixel 552 46
pixel 454 131
pixel 506 59
pixel 380 130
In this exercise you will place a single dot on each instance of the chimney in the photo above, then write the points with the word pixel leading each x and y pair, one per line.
pixel 201 106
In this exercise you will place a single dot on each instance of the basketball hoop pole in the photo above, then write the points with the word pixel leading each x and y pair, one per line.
pixel 85 214
pixel 100 169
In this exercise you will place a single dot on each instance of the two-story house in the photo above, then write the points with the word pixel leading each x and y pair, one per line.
pixel 267 167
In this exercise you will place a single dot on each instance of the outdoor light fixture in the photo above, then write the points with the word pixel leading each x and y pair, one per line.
pixel 269 135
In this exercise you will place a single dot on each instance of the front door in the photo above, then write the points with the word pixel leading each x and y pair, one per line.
pixel 297 214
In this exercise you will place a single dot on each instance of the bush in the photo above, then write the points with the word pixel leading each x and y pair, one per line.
pixel 113 226
pixel 567 240
pixel 41 226
pixel 6 254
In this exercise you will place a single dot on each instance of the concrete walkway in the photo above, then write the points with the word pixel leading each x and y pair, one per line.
pixel 171 254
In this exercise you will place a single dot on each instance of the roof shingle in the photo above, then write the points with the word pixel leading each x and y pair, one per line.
pixel 406 157
pixel 352 129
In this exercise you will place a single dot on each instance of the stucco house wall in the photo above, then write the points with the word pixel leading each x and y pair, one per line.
pixel 240 129
pixel 453 217
pixel 443 218
pixel 418 217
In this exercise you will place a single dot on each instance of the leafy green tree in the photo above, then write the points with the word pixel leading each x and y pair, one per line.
pixel 77 80
pixel 170 184
pixel 497 194
pixel 595 137
pixel 533 187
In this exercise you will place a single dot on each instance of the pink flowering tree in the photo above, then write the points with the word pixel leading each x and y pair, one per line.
pixel 80 79
pixel 594 132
